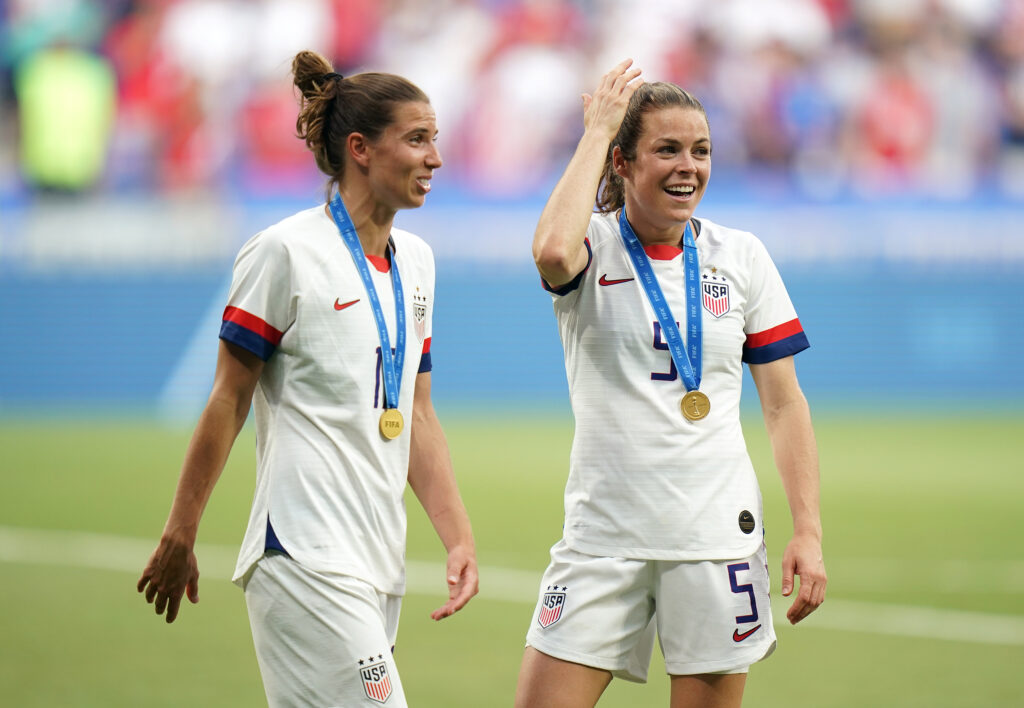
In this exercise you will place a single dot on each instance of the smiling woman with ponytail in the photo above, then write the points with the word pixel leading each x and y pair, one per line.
pixel 315 299
pixel 658 310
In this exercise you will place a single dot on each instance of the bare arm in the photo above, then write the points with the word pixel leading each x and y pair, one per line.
pixel 172 569
pixel 788 420
pixel 558 241
pixel 433 481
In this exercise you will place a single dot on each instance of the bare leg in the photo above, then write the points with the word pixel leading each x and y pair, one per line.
pixel 708 691
pixel 547 682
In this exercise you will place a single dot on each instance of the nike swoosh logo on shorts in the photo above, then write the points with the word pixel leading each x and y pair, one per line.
pixel 737 637
pixel 604 280
pixel 342 306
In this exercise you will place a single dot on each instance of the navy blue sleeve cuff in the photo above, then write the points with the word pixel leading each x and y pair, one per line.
pixel 575 282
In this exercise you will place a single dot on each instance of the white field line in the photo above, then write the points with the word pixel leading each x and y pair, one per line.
pixel 117 553
pixel 949 576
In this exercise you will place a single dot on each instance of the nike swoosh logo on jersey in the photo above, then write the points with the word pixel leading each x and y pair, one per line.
pixel 604 280
pixel 737 637
pixel 342 306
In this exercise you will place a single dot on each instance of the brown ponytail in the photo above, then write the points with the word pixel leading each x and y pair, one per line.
pixel 331 107
pixel 648 97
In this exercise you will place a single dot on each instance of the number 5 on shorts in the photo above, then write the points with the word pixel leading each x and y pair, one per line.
pixel 745 588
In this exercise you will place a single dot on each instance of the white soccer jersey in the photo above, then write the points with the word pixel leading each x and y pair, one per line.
pixel 645 482
pixel 330 484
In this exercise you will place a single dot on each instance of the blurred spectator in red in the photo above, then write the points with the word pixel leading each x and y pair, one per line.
pixel 151 88
pixel 274 158
pixel 267 157
pixel 889 119
pixel 963 99
pixel 892 128
pixel 660 37
pixel 837 11
pixel 519 126
pixel 440 45
pixel 191 71
pixel 356 24
pixel 537 22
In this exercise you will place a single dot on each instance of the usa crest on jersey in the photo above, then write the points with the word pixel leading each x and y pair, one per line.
pixel 551 606
pixel 376 681
pixel 419 313
pixel 715 297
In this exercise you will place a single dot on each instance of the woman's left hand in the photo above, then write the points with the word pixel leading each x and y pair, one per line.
pixel 463 582
pixel 803 557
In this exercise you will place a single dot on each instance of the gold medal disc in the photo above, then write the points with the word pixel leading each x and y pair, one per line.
pixel 391 423
pixel 695 405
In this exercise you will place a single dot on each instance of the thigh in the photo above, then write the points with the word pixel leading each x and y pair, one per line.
pixel 547 682
pixel 321 639
pixel 714 616
pixel 708 691
pixel 595 611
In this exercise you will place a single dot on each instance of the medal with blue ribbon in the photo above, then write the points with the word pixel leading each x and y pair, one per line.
pixel 694 405
pixel 391 422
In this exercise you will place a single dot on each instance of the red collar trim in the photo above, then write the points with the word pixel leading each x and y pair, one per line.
pixel 379 262
pixel 662 252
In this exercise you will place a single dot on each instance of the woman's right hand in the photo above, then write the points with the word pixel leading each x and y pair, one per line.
pixel 172 571
pixel 558 242
pixel 604 110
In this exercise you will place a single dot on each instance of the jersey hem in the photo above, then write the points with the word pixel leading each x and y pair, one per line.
pixel 661 554
pixel 244 568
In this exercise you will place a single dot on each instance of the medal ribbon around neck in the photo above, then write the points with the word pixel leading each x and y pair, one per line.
pixel 391 365
pixel 686 358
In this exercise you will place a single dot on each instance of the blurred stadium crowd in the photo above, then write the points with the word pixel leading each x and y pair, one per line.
pixel 824 98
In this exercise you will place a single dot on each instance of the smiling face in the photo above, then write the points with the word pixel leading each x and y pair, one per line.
pixel 403 158
pixel 666 181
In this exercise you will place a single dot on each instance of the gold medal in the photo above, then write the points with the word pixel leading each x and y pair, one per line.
pixel 695 405
pixel 391 423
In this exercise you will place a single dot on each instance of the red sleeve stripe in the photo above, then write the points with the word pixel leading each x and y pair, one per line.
pixel 252 323
pixel 426 345
pixel 770 336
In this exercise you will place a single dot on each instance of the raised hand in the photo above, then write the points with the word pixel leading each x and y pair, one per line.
pixel 605 109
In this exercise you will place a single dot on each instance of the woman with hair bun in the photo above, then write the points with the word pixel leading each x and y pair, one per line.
pixel 327 335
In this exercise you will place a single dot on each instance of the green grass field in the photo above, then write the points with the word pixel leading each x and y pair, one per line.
pixel 923 548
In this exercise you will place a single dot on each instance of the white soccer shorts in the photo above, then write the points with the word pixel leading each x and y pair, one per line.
pixel 710 616
pixel 322 639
